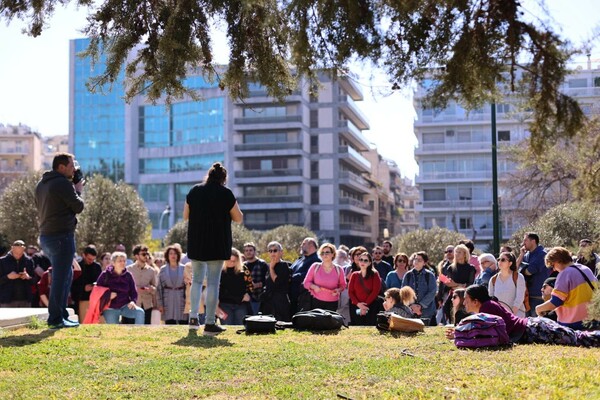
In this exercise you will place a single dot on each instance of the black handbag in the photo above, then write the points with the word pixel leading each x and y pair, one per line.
pixel 258 324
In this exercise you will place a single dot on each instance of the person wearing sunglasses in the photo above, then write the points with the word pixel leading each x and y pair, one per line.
pixel 146 281
pixel 508 285
pixel 325 280
pixel 458 306
pixel 363 289
pixel 275 298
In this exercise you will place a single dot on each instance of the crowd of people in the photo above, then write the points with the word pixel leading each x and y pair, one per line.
pixel 232 283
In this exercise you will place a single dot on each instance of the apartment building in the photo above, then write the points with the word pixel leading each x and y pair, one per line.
pixel 301 161
pixel 20 152
pixel 455 163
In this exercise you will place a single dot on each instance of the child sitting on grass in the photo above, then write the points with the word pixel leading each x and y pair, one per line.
pixel 400 301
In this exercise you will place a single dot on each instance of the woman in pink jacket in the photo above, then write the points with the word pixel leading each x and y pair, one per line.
pixel 325 280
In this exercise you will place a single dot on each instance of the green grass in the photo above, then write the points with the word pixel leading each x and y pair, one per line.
pixel 127 362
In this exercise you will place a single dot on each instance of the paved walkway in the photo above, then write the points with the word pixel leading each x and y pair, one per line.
pixel 12 318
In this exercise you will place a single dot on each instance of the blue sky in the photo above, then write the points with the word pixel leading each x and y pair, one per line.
pixel 34 78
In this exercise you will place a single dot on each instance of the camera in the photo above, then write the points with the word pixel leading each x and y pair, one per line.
pixel 77 175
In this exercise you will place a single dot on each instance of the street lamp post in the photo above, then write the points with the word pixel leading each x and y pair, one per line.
pixel 165 212
pixel 496 210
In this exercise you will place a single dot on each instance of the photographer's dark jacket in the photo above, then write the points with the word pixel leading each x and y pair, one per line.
pixel 57 203
pixel 15 289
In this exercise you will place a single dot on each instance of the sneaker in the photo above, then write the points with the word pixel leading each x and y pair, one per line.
pixel 194 324
pixel 213 330
pixel 70 324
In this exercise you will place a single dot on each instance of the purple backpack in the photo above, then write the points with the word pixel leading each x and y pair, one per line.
pixel 480 330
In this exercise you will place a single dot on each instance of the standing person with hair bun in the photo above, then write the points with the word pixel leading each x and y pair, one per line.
pixel 210 207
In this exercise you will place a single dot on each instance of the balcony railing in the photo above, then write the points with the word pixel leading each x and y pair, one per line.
pixel 450 204
pixel 270 199
pixel 455 175
pixel 267 120
pixel 356 203
pixel 455 146
pixel 353 107
pixel 357 133
pixel 261 226
pixel 265 173
pixel 268 146
pixel 355 155
pixel 355 227
pixel 354 178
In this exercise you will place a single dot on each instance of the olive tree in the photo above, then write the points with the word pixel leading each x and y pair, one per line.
pixel 113 213
pixel 18 211
pixel 433 241
pixel 239 234
pixel 290 237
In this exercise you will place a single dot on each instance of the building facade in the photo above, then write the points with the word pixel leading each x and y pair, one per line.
pixel 301 161
pixel 20 152
pixel 455 160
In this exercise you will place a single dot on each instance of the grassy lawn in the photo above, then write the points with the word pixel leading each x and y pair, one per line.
pixel 127 362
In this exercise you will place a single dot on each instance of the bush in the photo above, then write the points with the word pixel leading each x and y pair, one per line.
pixel 290 237
pixel 564 225
pixel 18 211
pixel 433 241
pixel 113 213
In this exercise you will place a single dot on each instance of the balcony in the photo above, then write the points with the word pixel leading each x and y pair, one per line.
pixel 278 122
pixel 351 87
pixel 263 226
pixel 354 229
pixel 455 204
pixel 350 204
pixel 259 173
pixel 349 107
pixel 453 147
pixel 581 92
pixel 261 97
pixel 268 146
pixel 453 175
pixel 353 157
pixel 351 133
pixel 271 199
pixel 354 181
pixel 7 151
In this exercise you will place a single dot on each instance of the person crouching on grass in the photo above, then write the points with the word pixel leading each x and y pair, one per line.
pixel 123 293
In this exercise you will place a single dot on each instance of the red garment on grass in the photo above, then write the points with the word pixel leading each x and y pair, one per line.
pixel 99 301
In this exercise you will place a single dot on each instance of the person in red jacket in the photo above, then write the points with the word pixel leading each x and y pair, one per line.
pixel 363 290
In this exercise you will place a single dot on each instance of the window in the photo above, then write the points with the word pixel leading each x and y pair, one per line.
pixel 273 137
pixel 434 194
pixel 262 112
pixel 465 193
pixel 433 137
pixel 314 144
pixel 314 195
pixel 315 223
pixel 597 81
pixel 314 170
pixel 577 83
pixel 314 118
pixel 503 108
pixel 466 223
pixel 504 136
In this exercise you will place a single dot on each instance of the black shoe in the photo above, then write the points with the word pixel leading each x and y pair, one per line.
pixel 194 324
pixel 212 330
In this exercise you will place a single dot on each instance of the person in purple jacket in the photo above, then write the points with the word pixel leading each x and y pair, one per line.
pixel 123 293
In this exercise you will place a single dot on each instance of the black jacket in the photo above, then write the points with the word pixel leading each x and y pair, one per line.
pixel 57 203
pixel 15 289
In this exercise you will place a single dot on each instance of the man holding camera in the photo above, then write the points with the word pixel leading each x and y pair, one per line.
pixel 58 200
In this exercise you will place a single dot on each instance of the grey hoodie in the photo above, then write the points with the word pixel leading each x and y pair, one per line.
pixel 57 203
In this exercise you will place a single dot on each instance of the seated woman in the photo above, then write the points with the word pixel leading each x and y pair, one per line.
pixel 170 294
pixel 529 329
pixel 325 280
pixel 363 290
pixel 123 294
pixel 275 299
pixel 235 289
pixel 458 306
pixel 398 301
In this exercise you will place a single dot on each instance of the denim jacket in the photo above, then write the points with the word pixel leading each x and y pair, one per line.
pixel 425 286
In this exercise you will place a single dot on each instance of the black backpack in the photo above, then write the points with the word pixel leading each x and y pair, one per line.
pixel 318 320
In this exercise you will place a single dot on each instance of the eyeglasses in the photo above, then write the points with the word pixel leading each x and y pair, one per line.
pixel 364 260
pixel 455 297
pixel 503 260
pixel 144 254
pixel 273 251
pixel 326 252
pixel 449 251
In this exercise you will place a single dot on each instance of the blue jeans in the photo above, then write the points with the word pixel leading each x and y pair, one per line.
pixel 533 303
pixel 61 251
pixel 111 315
pixel 212 271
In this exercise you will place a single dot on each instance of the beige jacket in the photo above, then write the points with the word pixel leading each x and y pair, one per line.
pixel 145 277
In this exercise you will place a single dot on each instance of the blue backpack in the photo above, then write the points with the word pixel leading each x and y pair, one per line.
pixel 480 330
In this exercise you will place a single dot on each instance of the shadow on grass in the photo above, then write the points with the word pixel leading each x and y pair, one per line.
pixel 206 342
pixel 26 340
